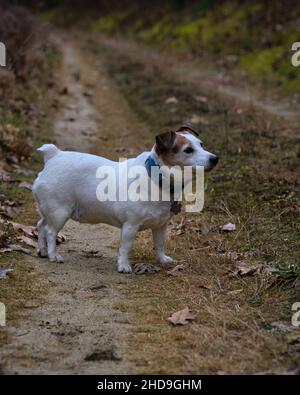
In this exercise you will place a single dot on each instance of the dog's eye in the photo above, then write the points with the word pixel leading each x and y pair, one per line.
pixel 189 150
pixel 201 144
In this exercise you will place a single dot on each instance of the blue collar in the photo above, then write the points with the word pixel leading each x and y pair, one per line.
pixel 150 162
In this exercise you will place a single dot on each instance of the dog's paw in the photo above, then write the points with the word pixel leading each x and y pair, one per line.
pixel 165 259
pixel 56 258
pixel 124 268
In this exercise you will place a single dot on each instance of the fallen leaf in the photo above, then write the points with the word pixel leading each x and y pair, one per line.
pixel 201 99
pixel 176 270
pixel 5 271
pixel 172 100
pixel 28 241
pixel 9 211
pixel 4 176
pixel 143 268
pixel 205 286
pixel 26 229
pixel 242 268
pixel 15 247
pixel 281 328
pixel 228 227
pixel 181 317
pixel 25 185
pixel 60 238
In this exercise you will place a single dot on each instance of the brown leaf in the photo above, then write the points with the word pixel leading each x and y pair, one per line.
pixel 228 227
pixel 181 317
pixel 60 238
pixel 15 247
pixel 143 268
pixel 9 211
pixel 176 270
pixel 242 268
pixel 26 229
pixel 5 271
pixel 4 176
pixel 28 241
pixel 25 185
pixel 205 286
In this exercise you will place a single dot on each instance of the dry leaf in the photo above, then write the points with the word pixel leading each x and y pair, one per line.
pixel 15 247
pixel 229 227
pixel 4 176
pixel 26 185
pixel 5 271
pixel 9 211
pixel 202 99
pixel 176 270
pixel 172 100
pixel 28 241
pixel 26 229
pixel 143 268
pixel 181 317
pixel 205 286
pixel 242 268
pixel 281 328
pixel 60 238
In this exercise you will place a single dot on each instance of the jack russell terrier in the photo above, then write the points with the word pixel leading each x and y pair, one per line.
pixel 66 188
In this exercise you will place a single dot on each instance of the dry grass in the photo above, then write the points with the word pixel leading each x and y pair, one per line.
pixel 232 330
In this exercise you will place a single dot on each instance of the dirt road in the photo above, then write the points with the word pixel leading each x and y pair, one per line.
pixel 77 329
pixel 114 98
pixel 193 71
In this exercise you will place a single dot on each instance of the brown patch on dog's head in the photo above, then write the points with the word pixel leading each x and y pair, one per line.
pixel 168 145
pixel 187 129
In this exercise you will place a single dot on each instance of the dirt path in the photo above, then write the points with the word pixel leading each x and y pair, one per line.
pixel 94 320
pixel 78 329
pixel 191 71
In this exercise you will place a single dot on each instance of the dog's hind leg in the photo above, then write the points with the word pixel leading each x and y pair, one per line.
pixel 42 238
pixel 55 222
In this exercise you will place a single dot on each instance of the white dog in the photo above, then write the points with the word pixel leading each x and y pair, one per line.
pixel 66 188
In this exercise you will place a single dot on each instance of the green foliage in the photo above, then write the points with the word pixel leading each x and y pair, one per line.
pixel 109 24
pixel 259 37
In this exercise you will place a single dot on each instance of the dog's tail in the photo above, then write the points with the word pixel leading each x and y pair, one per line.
pixel 49 151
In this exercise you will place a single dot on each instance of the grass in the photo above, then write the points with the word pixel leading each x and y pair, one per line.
pixel 255 186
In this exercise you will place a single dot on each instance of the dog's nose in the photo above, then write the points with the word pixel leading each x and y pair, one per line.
pixel 214 159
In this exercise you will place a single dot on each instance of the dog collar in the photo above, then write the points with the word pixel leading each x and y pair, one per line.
pixel 175 205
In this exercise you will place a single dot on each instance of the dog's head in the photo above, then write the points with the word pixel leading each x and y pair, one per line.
pixel 184 148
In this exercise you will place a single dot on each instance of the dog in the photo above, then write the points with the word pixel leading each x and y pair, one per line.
pixel 66 188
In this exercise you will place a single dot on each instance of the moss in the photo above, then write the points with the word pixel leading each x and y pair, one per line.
pixel 262 63
pixel 159 32
pixel 109 24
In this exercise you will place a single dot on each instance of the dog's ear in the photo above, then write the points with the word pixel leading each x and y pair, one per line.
pixel 165 142
pixel 186 127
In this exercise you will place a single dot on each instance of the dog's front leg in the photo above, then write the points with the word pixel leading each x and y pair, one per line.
pixel 159 237
pixel 128 234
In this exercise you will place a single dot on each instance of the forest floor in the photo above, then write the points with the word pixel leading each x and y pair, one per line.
pixel 115 97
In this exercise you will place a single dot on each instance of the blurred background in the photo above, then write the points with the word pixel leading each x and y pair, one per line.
pixel 106 77
pixel 252 38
